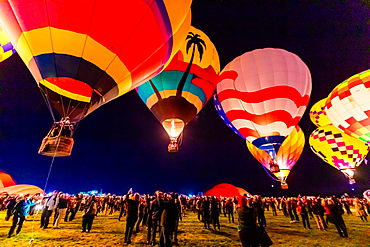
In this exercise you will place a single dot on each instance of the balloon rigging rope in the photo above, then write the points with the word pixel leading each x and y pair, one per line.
pixel 48 104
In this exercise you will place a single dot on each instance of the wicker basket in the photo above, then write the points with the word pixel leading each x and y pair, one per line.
pixel 58 146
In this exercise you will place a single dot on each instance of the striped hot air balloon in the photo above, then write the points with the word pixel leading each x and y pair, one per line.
pixel 287 156
pixel 348 106
pixel 86 53
pixel 6 48
pixel 318 114
pixel 338 149
pixel 264 94
pixel 177 94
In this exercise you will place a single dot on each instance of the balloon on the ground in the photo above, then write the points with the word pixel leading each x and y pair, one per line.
pixel 264 94
pixel 318 114
pixel 226 190
pixel 338 149
pixel 22 189
pixel 177 94
pixel 348 106
pixel 287 156
pixel 84 54
pixel 6 180
pixel 6 48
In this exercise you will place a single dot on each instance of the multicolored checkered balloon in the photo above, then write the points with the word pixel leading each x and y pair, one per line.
pixel 338 149
pixel 348 106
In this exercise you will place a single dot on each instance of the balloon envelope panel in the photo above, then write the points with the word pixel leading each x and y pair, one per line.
pixel 6 48
pixel 318 114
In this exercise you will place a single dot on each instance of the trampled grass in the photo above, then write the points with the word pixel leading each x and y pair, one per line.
pixel 108 231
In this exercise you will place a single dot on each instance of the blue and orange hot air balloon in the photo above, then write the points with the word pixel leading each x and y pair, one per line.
pixel 177 94
pixel 264 94
pixel 348 106
pixel 287 156
pixel 84 54
pixel 6 48
pixel 338 149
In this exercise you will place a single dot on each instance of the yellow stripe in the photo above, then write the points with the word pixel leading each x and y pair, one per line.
pixel 38 41
pixel 192 98
pixel 65 93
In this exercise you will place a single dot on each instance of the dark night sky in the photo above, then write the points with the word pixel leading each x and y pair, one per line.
pixel 121 145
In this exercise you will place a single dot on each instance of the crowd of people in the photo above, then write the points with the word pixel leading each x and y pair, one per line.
pixel 161 213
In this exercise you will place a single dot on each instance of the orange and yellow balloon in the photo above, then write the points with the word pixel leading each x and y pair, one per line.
pixel 287 156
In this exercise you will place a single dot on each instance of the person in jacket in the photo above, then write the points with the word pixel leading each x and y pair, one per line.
pixel 132 214
pixel 50 206
pixel 247 223
pixel 335 217
pixel 20 212
pixel 90 211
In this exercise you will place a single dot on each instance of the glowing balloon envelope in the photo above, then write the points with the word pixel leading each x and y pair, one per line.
pixel 84 54
pixel 338 149
pixel 287 156
pixel 6 48
pixel 264 94
pixel 318 114
pixel 348 106
pixel 177 94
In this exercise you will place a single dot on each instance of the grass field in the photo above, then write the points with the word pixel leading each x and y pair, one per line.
pixel 108 231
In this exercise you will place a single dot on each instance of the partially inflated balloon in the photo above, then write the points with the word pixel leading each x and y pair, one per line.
pixel 6 48
pixel 338 149
pixel 287 156
pixel 264 94
pixel 177 94
pixel 348 106
pixel 86 53
pixel 318 114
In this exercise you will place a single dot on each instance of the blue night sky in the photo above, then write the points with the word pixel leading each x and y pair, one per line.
pixel 122 145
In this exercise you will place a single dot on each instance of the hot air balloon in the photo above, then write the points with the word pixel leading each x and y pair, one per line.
pixel 287 156
pixel 318 114
pixel 348 106
pixel 264 94
pixel 177 94
pixel 338 149
pixel 84 54
pixel 6 48
pixel 6 180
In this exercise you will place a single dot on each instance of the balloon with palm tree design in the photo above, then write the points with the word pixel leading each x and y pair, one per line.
pixel 177 94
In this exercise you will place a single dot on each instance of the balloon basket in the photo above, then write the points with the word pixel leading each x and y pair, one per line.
pixel 58 146
pixel 284 186
pixel 173 147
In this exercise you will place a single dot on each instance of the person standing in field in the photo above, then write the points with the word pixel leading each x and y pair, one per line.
pixel 215 213
pixel 335 217
pixel 132 214
pixel 360 209
pixel 91 209
pixel 61 209
pixel 50 206
pixel 247 223
pixel 20 212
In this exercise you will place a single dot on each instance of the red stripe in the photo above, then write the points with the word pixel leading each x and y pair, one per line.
pixel 71 85
pixel 264 119
pixel 277 92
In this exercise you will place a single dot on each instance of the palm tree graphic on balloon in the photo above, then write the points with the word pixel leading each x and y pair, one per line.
pixel 175 111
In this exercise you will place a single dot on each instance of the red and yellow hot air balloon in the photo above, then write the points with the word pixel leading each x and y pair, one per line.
pixel 318 114
pixel 177 94
pixel 338 149
pixel 6 48
pixel 287 156
pixel 264 94
pixel 86 53
pixel 348 106
pixel 6 180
